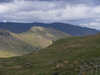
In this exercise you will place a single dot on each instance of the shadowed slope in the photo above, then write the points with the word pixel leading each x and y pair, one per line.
pixel 11 46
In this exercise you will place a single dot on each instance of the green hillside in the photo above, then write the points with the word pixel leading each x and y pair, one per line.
pixel 70 56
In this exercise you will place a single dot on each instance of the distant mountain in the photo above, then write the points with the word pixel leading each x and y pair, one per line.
pixel 67 28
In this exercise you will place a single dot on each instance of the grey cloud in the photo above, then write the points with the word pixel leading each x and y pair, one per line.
pixel 74 11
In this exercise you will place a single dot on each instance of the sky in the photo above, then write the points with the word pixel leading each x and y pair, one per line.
pixel 85 13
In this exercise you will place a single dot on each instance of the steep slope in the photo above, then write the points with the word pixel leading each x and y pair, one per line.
pixel 64 27
pixel 40 37
pixel 71 56
pixel 11 46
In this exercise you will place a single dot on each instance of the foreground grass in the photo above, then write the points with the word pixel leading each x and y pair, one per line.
pixel 71 56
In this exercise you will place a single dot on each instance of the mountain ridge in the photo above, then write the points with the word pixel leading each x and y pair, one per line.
pixel 64 27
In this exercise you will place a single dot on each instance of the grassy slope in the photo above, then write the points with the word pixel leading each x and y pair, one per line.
pixel 65 57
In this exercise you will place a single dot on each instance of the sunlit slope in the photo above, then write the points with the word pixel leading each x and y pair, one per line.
pixel 40 37
pixel 11 46
pixel 70 56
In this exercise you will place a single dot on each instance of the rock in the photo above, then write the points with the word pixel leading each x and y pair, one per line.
pixel 66 62
pixel 59 66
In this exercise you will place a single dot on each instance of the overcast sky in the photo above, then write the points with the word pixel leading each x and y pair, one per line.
pixel 85 13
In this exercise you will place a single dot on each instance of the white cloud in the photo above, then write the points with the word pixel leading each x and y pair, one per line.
pixel 3 9
pixel 95 25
